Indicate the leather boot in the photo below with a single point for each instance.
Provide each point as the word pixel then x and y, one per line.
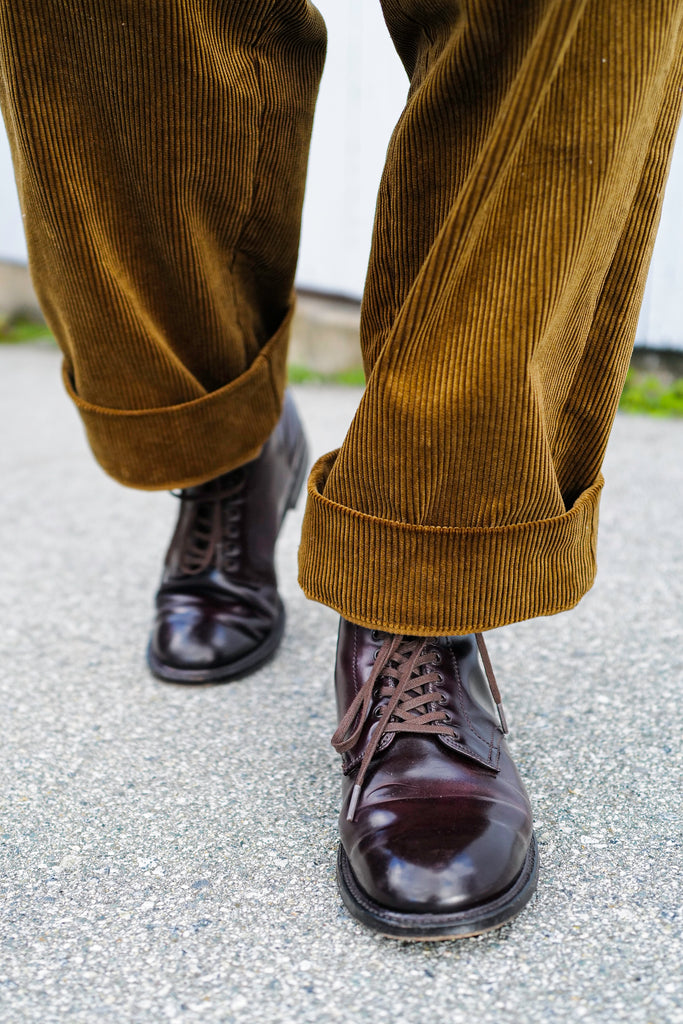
pixel 219 614
pixel 436 828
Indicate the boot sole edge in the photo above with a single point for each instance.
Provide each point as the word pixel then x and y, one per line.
pixel 462 924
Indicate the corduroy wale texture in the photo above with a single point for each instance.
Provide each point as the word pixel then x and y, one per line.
pixel 160 151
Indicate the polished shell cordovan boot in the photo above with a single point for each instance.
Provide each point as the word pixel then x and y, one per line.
pixel 436 827
pixel 219 614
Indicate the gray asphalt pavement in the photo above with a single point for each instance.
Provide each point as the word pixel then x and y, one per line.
pixel 168 854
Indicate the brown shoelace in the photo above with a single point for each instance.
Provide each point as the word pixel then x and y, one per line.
pixel 406 669
pixel 215 531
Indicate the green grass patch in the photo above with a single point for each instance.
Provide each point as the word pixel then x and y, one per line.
pixel 302 375
pixel 649 394
pixel 14 332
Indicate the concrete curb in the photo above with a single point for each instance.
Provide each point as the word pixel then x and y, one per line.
pixel 326 334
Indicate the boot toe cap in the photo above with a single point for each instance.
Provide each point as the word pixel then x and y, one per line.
pixel 450 863
pixel 204 635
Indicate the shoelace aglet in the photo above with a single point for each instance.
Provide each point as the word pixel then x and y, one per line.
pixel 353 803
pixel 493 685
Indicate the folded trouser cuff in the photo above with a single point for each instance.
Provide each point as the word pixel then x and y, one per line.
pixel 443 581
pixel 182 445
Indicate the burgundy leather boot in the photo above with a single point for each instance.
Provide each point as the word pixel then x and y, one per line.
pixel 219 614
pixel 436 828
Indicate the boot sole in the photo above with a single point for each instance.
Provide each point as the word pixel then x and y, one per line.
pixel 265 651
pixel 460 924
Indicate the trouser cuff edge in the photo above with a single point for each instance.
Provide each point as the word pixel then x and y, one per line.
pixel 183 445
pixel 441 581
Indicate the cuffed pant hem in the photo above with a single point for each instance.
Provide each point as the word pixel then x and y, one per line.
pixel 183 445
pixel 442 581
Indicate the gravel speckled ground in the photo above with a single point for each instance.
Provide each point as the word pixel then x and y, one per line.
pixel 168 854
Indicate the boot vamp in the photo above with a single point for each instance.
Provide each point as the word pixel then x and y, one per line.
pixel 434 833
pixel 205 628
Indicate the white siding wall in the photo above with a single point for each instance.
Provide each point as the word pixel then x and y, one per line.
pixel 12 245
pixel 361 96
pixel 362 93
pixel 661 317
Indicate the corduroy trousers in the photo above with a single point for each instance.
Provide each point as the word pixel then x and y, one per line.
pixel 160 149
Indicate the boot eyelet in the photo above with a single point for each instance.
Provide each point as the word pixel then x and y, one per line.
pixel 375 654
pixel 443 699
pixel 379 711
pixel 374 633
pixel 437 659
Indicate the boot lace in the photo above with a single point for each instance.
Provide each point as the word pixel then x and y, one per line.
pixel 214 537
pixel 405 675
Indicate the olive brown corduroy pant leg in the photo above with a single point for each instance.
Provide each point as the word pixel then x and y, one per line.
pixel 514 227
pixel 160 151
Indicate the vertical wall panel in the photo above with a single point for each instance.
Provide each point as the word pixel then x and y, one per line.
pixel 12 244
pixel 661 317
pixel 362 93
